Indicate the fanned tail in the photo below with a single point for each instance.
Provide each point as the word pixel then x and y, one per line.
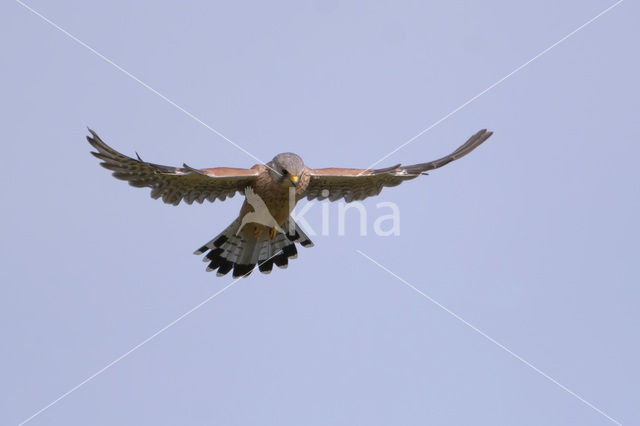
pixel 240 254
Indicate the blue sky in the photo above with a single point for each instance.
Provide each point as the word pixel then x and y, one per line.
pixel 532 239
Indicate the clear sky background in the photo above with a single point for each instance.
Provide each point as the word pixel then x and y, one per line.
pixel 533 238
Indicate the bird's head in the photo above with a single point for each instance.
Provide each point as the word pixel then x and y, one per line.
pixel 286 168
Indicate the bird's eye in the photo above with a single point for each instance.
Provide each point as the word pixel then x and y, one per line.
pixel 285 172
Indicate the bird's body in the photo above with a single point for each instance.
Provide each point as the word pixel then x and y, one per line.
pixel 256 212
pixel 279 195
pixel 264 233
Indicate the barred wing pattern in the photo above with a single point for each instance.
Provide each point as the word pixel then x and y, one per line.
pixel 358 184
pixel 174 184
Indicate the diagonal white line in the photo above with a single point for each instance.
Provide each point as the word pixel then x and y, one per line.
pixel 491 339
pixel 139 345
pixel 496 83
pixel 128 74
pixel 129 352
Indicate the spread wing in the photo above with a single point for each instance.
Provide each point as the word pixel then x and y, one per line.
pixel 358 184
pixel 174 184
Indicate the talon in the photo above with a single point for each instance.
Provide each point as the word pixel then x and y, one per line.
pixel 272 233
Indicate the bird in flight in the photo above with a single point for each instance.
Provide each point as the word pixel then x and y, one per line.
pixel 256 237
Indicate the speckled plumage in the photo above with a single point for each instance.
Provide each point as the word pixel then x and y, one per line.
pixel 279 184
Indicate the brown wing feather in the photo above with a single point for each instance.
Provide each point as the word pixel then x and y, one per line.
pixel 358 184
pixel 174 184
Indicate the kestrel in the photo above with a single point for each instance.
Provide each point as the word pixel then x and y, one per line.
pixel 256 237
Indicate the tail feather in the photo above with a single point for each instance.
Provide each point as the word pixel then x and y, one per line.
pixel 230 251
pixel 297 235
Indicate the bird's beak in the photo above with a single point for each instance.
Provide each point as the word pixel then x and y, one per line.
pixel 295 179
